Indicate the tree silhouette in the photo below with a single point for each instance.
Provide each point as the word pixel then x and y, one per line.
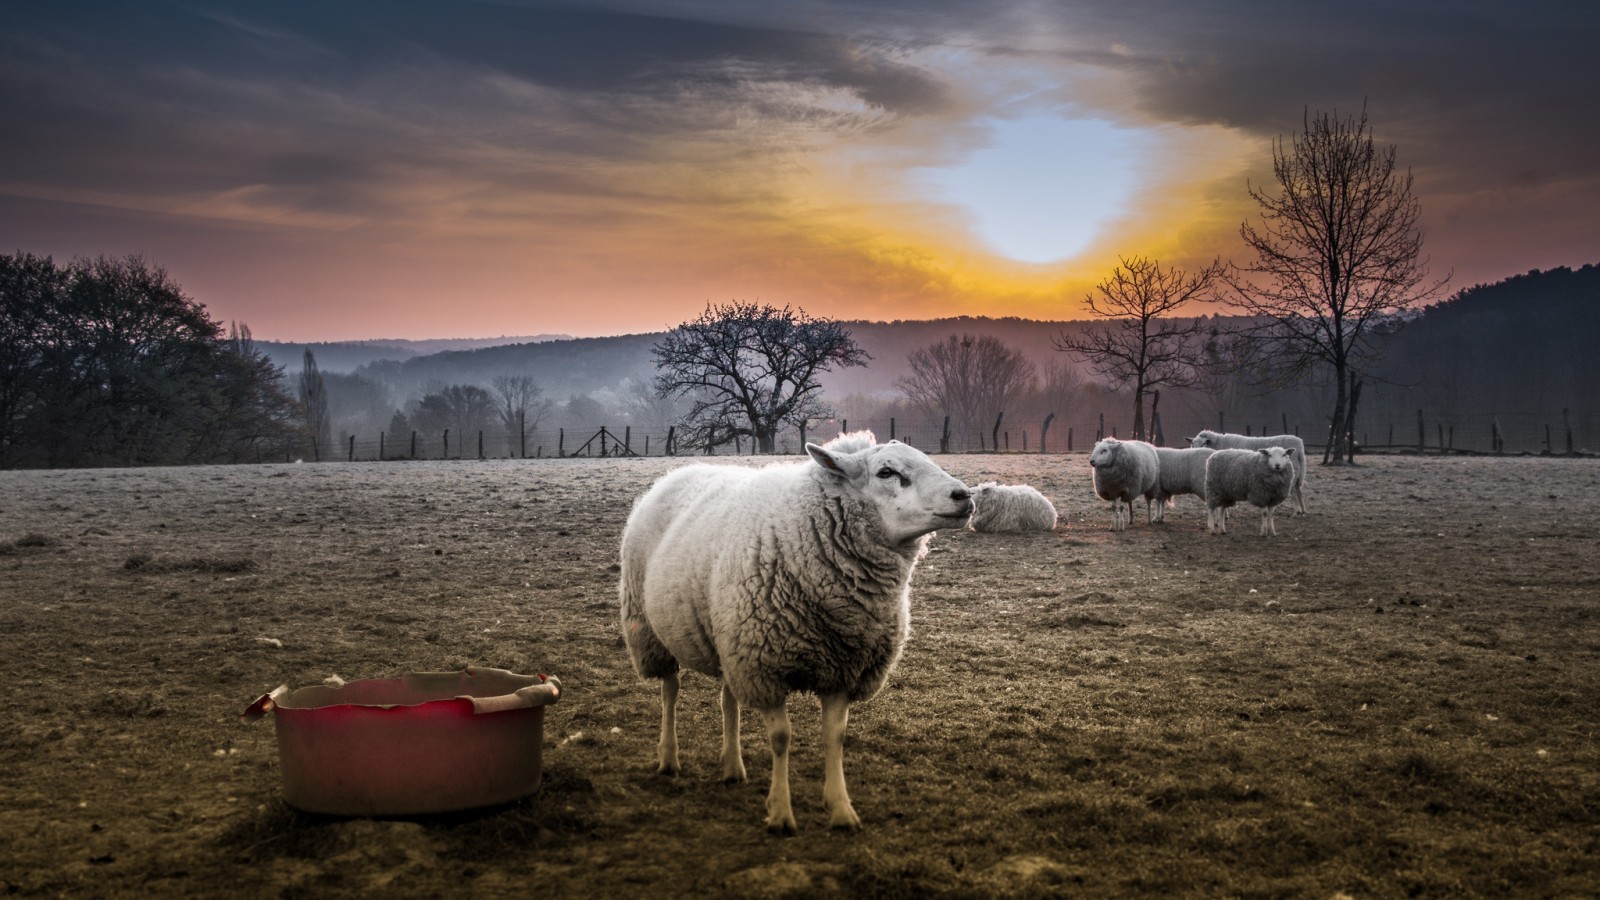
pixel 1338 254
pixel 1138 344
pixel 107 362
pixel 748 369
pixel 314 400
pixel 970 379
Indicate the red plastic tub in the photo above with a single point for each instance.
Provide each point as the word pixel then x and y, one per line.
pixel 427 742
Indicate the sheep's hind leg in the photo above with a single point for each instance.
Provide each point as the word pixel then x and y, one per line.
pixel 835 716
pixel 780 814
pixel 732 752
pixel 667 749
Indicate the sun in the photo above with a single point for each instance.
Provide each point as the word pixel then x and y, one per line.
pixel 1044 187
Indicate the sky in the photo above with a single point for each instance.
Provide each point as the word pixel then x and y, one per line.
pixel 358 169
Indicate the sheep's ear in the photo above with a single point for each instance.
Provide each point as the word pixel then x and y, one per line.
pixel 837 464
pixel 1264 453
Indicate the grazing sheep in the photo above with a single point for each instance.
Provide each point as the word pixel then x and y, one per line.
pixel 1183 471
pixel 1011 507
pixel 1261 477
pixel 1217 441
pixel 1124 470
pixel 792 577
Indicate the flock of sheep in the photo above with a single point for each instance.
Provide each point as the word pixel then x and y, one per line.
pixel 795 577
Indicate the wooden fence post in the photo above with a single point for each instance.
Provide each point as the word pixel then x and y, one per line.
pixel 561 442
pixel 944 438
pixel 446 444
pixel 522 431
pixel 380 446
pixel 1566 422
pixel 672 431
pixel 1496 442
pixel 1044 431
pixel 996 433
pixel 1441 436
pixel 1222 422
pixel 413 445
pixel 627 440
pixel 891 428
pixel 352 456
pixel 1285 423
pixel 1069 438
pixel 1101 434
pixel 1422 433
pixel 480 443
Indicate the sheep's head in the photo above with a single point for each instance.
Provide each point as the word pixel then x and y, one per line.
pixel 1204 439
pixel 912 495
pixel 1278 459
pixel 1104 453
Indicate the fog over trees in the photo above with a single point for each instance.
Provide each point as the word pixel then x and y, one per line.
pixel 176 387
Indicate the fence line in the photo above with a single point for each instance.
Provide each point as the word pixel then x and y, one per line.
pixel 1557 433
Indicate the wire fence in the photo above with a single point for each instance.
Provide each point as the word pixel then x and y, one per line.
pixel 1553 433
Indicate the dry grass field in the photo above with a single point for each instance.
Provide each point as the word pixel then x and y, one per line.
pixel 1397 696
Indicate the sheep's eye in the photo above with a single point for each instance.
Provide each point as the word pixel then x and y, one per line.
pixel 887 472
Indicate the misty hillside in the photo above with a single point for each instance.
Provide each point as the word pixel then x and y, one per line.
pixel 347 356
pixel 1515 352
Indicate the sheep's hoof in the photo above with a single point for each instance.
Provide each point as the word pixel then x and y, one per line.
pixel 670 771
pixel 845 820
pixel 782 826
pixel 735 776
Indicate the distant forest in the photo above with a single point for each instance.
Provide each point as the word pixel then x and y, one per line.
pixel 1513 358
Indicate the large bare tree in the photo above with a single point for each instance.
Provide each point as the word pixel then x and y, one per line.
pixel 747 369
pixel 970 379
pixel 1139 343
pixel 1338 255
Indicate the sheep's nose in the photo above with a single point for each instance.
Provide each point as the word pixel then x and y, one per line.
pixel 960 495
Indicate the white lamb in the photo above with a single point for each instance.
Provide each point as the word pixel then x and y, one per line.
pixel 1124 470
pixel 1261 478
pixel 792 577
pixel 1217 441
pixel 1011 507
pixel 1183 471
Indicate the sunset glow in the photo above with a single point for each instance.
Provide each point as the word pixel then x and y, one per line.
pixel 353 170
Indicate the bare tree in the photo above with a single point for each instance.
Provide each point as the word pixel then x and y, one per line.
pixel 1138 344
pixel 463 409
pixel 519 403
pixel 748 369
pixel 1338 256
pixel 314 397
pixel 970 379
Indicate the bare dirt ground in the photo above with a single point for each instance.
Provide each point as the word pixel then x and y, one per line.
pixel 1398 695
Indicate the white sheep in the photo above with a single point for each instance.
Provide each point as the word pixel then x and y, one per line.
pixel 791 577
pixel 1261 478
pixel 1219 441
pixel 1011 507
pixel 1182 471
pixel 1124 470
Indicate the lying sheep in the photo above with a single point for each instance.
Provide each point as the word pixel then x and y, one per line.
pixel 1261 478
pixel 1217 441
pixel 1183 471
pixel 1011 507
pixel 1124 470
pixel 792 577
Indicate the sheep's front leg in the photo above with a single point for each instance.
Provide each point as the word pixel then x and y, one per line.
pixel 835 716
pixel 1269 526
pixel 732 752
pixel 780 814
pixel 667 749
